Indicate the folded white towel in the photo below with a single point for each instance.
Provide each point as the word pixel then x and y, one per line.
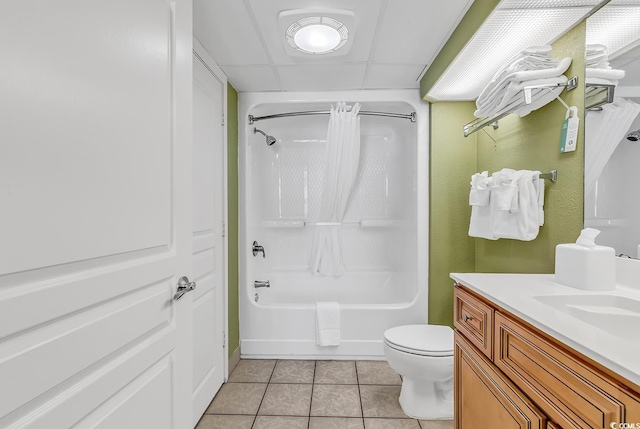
pixel 521 76
pixel 513 96
pixel 327 324
pixel 600 81
pixel 545 96
pixel 604 73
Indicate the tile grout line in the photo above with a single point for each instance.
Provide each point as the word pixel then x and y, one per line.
pixel 359 392
pixel 264 394
pixel 313 383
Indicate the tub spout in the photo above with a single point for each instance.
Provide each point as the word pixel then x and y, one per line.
pixel 257 249
pixel 261 283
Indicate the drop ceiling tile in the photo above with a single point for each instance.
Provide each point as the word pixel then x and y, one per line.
pixel 393 76
pixel 322 77
pixel 413 31
pixel 226 31
pixel 366 17
pixel 252 78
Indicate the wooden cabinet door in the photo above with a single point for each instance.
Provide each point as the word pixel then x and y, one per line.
pixel 571 392
pixel 484 399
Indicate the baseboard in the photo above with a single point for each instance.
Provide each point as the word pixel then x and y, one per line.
pixel 233 360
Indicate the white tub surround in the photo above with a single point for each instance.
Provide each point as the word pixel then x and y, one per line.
pixel 601 325
pixel 383 228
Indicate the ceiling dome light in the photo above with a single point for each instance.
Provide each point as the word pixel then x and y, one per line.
pixel 317 35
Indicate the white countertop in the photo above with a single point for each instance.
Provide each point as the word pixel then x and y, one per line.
pixel 516 293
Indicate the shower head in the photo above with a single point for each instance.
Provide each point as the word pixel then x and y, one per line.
pixel 634 136
pixel 270 139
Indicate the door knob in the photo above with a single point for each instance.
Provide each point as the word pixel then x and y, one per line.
pixel 184 286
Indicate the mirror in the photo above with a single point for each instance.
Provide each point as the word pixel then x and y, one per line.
pixel 612 188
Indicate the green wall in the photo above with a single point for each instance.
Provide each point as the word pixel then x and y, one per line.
pixel 453 161
pixel 232 228
pixel 530 143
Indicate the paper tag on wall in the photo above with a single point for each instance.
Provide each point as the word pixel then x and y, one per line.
pixel 569 134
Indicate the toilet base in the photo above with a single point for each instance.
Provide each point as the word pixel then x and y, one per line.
pixel 425 400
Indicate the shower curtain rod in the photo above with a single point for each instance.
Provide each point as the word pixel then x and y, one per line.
pixel 411 116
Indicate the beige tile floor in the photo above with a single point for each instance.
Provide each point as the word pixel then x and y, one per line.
pixel 292 394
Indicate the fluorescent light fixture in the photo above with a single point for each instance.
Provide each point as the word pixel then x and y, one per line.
pixel 512 27
pixel 316 32
pixel 616 25
pixel 317 35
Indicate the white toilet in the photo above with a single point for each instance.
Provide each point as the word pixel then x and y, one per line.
pixel 423 356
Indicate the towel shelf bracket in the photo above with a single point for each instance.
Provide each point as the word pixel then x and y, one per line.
pixel 479 123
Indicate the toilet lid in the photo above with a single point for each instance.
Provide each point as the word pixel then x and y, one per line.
pixel 425 340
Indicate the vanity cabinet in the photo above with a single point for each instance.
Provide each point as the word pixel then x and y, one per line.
pixel 508 374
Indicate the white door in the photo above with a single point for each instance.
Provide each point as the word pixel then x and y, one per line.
pixel 95 213
pixel 208 245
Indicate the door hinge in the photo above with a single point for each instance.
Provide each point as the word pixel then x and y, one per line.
pixel 224 229
pixel 224 339
pixel 222 115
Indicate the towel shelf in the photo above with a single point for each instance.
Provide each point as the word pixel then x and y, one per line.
pixel 480 123
pixel 597 95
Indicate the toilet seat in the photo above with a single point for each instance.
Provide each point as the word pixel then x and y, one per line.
pixel 423 340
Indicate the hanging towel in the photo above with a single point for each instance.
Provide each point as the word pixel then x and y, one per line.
pixel 540 184
pixel 481 208
pixel 327 324
pixel 481 224
pixel 342 158
pixel 524 223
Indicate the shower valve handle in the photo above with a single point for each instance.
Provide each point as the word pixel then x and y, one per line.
pixel 256 248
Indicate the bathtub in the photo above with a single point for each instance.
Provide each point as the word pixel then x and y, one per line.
pixel 384 233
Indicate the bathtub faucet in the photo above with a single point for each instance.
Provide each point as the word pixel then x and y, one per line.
pixel 257 249
pixel 261 283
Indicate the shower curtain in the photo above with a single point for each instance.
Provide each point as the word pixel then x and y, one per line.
pixel 342 158
pixel 603 132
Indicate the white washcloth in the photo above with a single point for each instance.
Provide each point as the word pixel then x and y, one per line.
pixel 504 190
pixel 327 324
pixel 524 224
pixel 480 189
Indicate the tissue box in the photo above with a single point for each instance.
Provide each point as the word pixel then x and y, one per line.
pixel 587 268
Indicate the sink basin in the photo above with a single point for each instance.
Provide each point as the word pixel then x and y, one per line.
pixel 618 316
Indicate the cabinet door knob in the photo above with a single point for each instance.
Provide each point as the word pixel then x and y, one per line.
pixel 466 317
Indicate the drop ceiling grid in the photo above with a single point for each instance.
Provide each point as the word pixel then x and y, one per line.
pixel 408 21
pixel 219 20
pixel 243 38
